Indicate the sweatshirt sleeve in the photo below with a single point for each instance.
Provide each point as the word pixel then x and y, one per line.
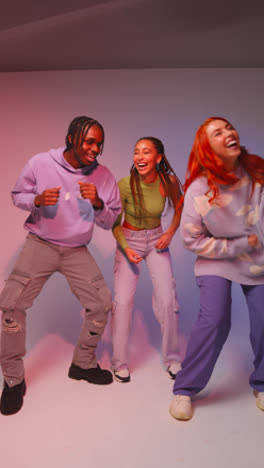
pixel 119 234
pixel 117 228
pixel 200 241
pixel 106 217
pixel 260 224
pixel 24 191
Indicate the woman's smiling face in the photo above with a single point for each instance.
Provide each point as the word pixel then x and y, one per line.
pixel 224 141
pixel 146 158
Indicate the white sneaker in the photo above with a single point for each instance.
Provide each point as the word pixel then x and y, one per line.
pixel 122 375
pixel 173 369
pixel 181 407
pixel 259 399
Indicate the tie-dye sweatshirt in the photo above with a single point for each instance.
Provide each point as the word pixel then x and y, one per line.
pixel 218 232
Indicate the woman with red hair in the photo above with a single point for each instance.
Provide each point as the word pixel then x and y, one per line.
pixel 221 223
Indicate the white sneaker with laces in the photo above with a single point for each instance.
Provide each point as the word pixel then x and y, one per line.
pixel 181 407
pixel 173 369
pixel 259 399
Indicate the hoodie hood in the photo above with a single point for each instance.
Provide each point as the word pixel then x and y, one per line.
pixel 58 156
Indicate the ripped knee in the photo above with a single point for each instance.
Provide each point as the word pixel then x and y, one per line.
pixel 12 323
pixel 95 326
pixel 11 326
pixel 94 332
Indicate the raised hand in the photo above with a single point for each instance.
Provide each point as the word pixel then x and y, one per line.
pixel 48 197
pixel 89 191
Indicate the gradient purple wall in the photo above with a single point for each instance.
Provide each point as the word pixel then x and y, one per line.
pixel 36 109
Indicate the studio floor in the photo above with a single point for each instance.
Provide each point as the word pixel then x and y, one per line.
pixel 70 424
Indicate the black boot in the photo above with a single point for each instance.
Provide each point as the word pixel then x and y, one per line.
pixel 96 375
pixel 12 398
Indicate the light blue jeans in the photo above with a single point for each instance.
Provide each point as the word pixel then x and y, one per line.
pixel 164 299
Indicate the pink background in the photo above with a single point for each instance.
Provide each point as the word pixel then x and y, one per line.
pixel 72 424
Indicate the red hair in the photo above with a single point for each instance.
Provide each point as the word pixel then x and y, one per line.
pixel 204 162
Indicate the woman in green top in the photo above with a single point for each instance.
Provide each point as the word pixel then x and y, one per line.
pixel 143 196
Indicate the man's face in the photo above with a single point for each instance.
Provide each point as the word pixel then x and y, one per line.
pixel 87 152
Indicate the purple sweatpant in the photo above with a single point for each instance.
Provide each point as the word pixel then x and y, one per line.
pixel 210 332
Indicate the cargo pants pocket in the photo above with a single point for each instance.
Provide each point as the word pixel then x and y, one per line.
pixel 13 290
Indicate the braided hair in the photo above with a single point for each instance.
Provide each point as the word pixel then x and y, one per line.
pixel 78 130
pixel 164 170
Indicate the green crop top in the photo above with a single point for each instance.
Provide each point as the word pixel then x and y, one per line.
pixel 154 205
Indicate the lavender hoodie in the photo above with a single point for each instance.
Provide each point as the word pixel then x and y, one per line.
pixel 71 221
pixel 218 233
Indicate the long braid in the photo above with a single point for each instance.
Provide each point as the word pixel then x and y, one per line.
pixel 165 170
pixel 136 190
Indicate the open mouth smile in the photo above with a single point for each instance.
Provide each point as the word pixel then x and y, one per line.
pixel 232 143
